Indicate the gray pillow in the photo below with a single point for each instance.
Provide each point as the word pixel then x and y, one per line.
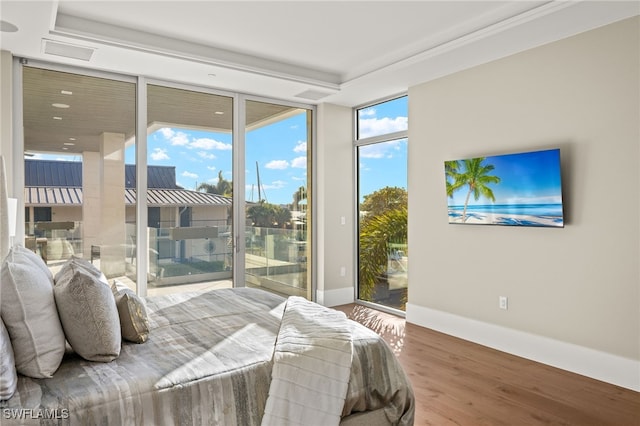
pixel 79 262
pixel 8 375
pixel 29 312
pixel 87 311
pixel 134 322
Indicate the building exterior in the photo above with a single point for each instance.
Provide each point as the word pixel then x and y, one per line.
pixel 55 223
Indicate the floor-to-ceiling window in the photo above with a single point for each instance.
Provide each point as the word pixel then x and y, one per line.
pixel 77 128
pixel 381 150
pixel 190 189
pixel 278 221
pixel 176 227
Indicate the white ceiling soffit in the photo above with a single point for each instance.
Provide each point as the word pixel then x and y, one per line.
pixel 344 52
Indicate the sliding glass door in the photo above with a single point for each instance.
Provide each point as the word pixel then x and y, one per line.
pixel 222 197
pixel 190 191
pixel 77 129
pixel 278 223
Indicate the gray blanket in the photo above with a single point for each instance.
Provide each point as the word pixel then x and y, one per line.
pixel 207 362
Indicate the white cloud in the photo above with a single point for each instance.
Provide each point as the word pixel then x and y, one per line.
pixel 276 184
pixel 159 154
pixel 277 164
pixel 381 126
pixel 189 175
pixel 208 144
pixel 380 150
pixel 166 132
pixel 206 155
pixel 300 147
pixel 212 168
pixel 368 112
pixel 177 138
pixel 299 162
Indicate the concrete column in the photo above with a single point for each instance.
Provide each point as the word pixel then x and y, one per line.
pixel 113 235
pixel 91 201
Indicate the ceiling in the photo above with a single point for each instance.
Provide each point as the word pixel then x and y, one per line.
pixel 343 52
pixel 69 113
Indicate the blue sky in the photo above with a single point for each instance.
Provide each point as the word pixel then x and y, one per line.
pixel 525 178
pixel 383 164
pixel 280 150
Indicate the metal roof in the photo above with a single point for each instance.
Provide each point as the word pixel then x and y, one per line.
pixel 163 177
pixel 52 196
pixel 54 173
pixel 178 197
pixel 59 183
pixel 40 196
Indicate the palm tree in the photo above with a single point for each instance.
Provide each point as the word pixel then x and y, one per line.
pixel 282 216
pixel 451 170
pixel 376 235
pixel 476 177
pixel 262 214
pixel 223 187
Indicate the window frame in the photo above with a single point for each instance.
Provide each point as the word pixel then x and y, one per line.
pixel 16 153
pixel 357 143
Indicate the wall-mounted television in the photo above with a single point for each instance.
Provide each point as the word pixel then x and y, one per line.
pixel 523 189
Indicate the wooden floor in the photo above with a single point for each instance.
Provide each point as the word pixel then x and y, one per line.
pixel 457 382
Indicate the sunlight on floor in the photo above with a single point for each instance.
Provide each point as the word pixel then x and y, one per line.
pixel 390 327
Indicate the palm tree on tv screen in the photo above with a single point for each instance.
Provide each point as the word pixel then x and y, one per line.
pixel 475 176
pixel 451 170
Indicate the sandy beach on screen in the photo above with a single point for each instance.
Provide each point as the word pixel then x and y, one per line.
pixel 504 219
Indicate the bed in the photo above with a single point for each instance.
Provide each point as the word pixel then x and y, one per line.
pixel 208 361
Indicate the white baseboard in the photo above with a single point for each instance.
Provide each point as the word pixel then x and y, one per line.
pixel 617 370
pixel 337 297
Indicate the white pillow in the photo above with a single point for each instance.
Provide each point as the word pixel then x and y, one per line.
pixel 88 311
pixel 8 375
pixel 29 312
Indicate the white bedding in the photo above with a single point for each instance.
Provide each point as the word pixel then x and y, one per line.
pixel 311 366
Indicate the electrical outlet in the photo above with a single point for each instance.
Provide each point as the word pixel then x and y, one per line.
pixel 343 271
pixel 503 302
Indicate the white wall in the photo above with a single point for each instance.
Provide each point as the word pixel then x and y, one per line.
pixel 335 199
pixel 574 293
pixel 66 214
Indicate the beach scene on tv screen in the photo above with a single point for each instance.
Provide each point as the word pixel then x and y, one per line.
pixel 521 189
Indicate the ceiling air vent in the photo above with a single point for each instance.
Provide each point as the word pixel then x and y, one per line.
pixel 67 50
pixel 313 95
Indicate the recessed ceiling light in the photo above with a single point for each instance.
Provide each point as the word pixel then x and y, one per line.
pixel 219 113
pixel 60 105
pixel 57 118
pixel 65 148
pixel 69 143
pixel 66 92
pixel 72 139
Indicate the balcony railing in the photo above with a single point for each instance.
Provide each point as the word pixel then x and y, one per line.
pixel 276 259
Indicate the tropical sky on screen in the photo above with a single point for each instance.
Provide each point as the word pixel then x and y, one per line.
pixel 280 150
pixel 525 178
